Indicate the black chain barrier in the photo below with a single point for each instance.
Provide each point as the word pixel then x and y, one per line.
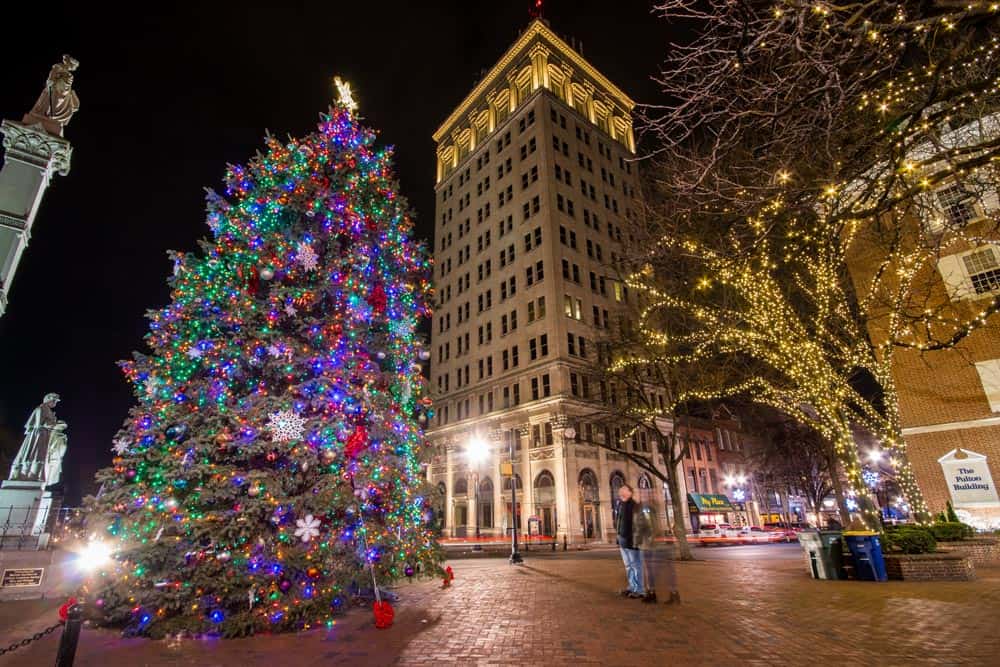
pixel 33 638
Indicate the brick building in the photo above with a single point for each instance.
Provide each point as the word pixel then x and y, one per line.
pixel 949 399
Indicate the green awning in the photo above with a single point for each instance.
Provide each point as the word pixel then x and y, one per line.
pixel 709 502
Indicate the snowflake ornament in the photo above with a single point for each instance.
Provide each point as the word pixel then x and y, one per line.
pixel 195 353
pixel 150 386
pixel 290 310
pixel 274 350
pixel 286 425
pixel 308 528
pixel 306 256
pixel 121 446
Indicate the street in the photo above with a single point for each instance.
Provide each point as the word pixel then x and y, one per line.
pixel 752 605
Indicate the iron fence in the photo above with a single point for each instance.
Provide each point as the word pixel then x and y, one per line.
pixel 32 528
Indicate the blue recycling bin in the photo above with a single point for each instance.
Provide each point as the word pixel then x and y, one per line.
pixel 866 548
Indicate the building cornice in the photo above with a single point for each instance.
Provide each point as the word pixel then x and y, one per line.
pixel 537 29
pixel 952 426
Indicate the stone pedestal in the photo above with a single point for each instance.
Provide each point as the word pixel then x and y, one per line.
pixel 27 514
pixel 31 157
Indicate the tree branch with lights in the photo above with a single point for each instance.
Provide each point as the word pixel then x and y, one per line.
pixel 797 171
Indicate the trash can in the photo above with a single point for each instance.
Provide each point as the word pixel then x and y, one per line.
pixel 866 547
pixel 824 553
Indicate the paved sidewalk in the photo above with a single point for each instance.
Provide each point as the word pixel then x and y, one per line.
pixel 564 610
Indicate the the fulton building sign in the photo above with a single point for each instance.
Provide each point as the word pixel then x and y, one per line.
pixel 969 480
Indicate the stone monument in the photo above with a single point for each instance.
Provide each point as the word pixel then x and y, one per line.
pixel 31 496
pixel 34 151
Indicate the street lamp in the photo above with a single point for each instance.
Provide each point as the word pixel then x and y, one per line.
pixel 515 555
pixel 476 451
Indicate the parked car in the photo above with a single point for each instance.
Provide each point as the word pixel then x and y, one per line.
pixel 790 531
pixel 759 535
pixel 710 532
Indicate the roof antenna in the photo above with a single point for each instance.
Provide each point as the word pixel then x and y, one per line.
pixel 536 10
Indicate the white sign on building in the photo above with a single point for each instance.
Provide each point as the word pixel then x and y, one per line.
pixel 969 480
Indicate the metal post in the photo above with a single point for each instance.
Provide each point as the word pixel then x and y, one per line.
pixel 70 636
pixel 515 555
pixel 475 479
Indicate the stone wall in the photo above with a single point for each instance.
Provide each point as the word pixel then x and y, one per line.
pixel 982 551
pixel 940 566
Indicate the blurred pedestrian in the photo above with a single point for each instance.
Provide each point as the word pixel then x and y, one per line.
pixel 626 524
pixel 657 558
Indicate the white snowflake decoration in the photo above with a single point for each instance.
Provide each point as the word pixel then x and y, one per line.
pixel 306 256
pixel 290 310
pixel 308 528
pixel 195 352
pixel 121 446
pixel 151 386
pixel 286 425
pixel 274 350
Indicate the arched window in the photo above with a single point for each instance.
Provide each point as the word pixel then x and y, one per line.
pixel 617 481
pixel 486 503
pixel 645 489
pixel 545 488
pixel 461 487
pixel 589 491
pixel 506 483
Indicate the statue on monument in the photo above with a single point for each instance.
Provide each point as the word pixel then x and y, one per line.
pixel 58 102
pixel 41 453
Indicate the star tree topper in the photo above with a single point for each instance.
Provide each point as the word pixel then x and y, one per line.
pixel 344 94
pixel 286 425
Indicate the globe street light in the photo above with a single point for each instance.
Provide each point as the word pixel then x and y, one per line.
pixel 476 452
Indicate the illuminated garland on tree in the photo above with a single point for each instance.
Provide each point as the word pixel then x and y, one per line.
pixel 271 469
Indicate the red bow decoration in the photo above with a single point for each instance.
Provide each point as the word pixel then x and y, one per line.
pixel 356 442
pixel 251 282
pixel 449 575
pixel 383 614
pixel 377 299
pixel 64 609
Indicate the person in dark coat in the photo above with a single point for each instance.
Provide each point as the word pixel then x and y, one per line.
pixel 628 524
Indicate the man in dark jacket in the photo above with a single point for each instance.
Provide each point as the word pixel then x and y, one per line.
pixel 629 524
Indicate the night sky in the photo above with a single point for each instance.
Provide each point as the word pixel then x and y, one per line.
pixel 168 96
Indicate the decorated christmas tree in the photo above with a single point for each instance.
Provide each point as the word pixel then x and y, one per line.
pixel 270 472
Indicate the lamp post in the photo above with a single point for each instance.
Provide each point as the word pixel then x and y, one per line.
pixel 476 451
pixel 515 555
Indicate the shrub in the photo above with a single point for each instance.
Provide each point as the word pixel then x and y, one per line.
pixel 950 513
pixel 910 540
pixel 951 531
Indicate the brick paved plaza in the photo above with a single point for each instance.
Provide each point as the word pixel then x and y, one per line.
pixel 563 609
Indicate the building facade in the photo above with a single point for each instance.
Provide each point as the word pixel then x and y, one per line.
pixel 949 399
pixel 534 188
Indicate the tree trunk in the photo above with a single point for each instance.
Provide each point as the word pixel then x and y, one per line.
pixel 671 459
pixel 838 492
pixel 907 483
pixel 680 527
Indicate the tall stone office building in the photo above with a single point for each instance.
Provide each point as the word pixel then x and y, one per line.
pixel 534 188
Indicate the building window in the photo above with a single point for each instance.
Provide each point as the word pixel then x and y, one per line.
pixel 957 205
pixel 983 269
pixel 989 375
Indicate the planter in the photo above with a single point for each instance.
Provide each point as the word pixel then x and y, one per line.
pixel 939 566
pixel 982 551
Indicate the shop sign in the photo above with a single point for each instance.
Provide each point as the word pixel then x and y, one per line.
pixel 969 480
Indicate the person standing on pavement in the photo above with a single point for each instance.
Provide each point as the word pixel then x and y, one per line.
pixel 657 562
pixel 627 522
